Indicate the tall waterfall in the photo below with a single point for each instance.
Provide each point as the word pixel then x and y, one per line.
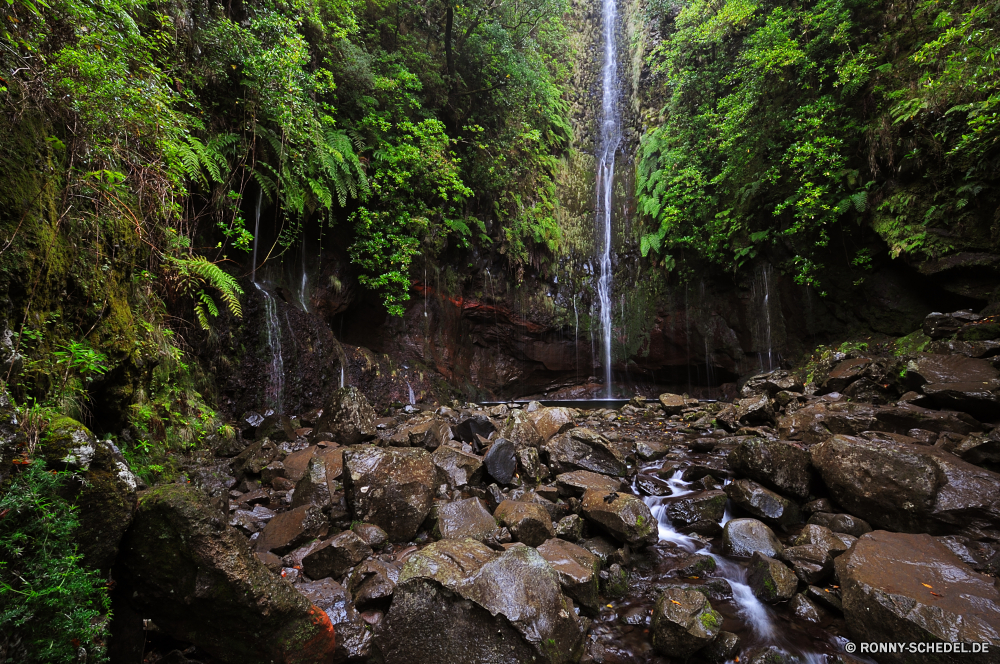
pixel 276 371
pixel 609 140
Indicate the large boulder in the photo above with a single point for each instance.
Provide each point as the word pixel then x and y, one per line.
pixel 551 421
pixel 390 487
pixel 957 382
pixel 623 515
pixel 501 460
pixel 460 468
pixel 354 638
pixel 683 622
pixel 910 488
pixel 460 602
pixel 335 556
pixel 771 383
pixel 520 430
pixel 770 580
pixel 198 580
pixel 777 464
pixel 578 482
pixel 528 522
pixel 103 489
pixel 700 511
pixel 898 587
pixel 318 484
pixel 744 537
pixel 347 418
pixel 288 530
pixel 464 519
pixel 763 503
pixel 583 449
pixel 577 568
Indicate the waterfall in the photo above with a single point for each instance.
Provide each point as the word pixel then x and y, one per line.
pixel 276 380
pixel 610 138
pixel 304 281
pixel 760 295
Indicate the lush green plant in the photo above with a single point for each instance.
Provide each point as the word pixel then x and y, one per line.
pixel 51 607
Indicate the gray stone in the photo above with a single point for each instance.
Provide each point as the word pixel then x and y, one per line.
pixel 770 580
pixel 744 537
pixel 464 518
pixel 763 503
pixel 500 461
pixel 683 622
pixel 623 515
pixel 392 488
pixel 777 464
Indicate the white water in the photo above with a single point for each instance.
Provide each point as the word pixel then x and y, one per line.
pixel 276 380
pixel 610 138
pixel 760 294
pixel 413 397
pixel 304 281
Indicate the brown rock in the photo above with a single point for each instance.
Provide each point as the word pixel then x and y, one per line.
pixel 335 556
pixel 577 569
pixel 623 515
pixel 551 421
pixel 528 522
pixel 390 487
pixel 578 482
pixel 460 468
pixel 291 529
pixel 770 580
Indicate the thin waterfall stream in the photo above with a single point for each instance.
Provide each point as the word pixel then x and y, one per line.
pixel 609 140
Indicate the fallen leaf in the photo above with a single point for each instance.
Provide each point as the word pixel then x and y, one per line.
pixel 935 594
pixel 675 602
pixel 926 585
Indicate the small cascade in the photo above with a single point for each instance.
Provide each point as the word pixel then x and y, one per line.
pixel 761 304
pixel 303 290
pixel 342 375
pixel 276 382
pixel 413 397
pixel 610 138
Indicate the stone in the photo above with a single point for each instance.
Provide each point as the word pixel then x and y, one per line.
pixel 823 537
pixel 755 410
pixel 744 537
pixel 372 583
pixel 652 485
pixel 297 463
pixel 910 488
pixel 903 418
pixel 979 449
pixel 778 465
pixel 198 580
pixel 938 325
pixel 770 580
pixel 459 601
pixel 844 373
pixel 460 468
pixel 724 648
pixel 520 430
pixel 578 482
pixel 277 428
pixel 291 529
pixel 696 564
pixel 551 421
pixel 623 515
pixel 501 461
pixel 673 404
pixel 271 471
pixel 763 503
pixel 464 518
pixel 614 581
pixel 771 383
pixel 528 522
pixel 824 598
pixel 437 433
pixel 532 468
pixel 390 487
pixel 607 552
pixel 570 528
pixel 804 609
pixel 583 449
pixel 683 622
pixel 348 418
pixel 354 640
pixel 811 562
pixel 577 569
pixel 477 425
pixel 701 510
pixel 373 536
pixel 314 488
pixel 253 459
pixel 336 556
pixel 851 525
pixel 910 587
pixel 102 487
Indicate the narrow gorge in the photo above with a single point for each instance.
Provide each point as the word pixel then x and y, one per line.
pixel 562 331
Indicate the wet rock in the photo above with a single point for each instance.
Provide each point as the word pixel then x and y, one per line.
pixel 198 580
pixel 699 511
pixel 755 410
pixel 291 529
pixel 277 428
pixel 607 552
pixel 904 587
pixel 623 515
pixel 577 569
pixel 822 537
pixel 458 601
pixel 373 536
pixel 724 648
pixel 850 525
pixel 103 488
pixel 614 581
pixel 811 562
pixel 803 609
pixel 683 622
pixel 909 488
pixel 816 422
pixel 372 583
pixel 316 486
pixel 354 639
pixel 520 430
pixel 744 537
pixel 533 469
pixel 501 461
pixel 551 421
pixel 978 449
pixel 825 598
pixel 570 528
pixel 528 522
pixel 819 505
pixel 651 450
pixel 770 580
pixel 578 482
pixel 583 449
pixel 460 468
pixel 464 518
pixel 392 488
pixel 903 418
pixel 336 556
pixel 770 655
pixel 477 425
pixel 251 521
pixel 776 464
pixel 347 418
pixel 771 383
pixel 763 503
pixel 697 564
pixel 253 459
pixel 938 325
pixel 673 404
pixel 436 434
pixel 297 463
pixel 652 485
pixel 845 373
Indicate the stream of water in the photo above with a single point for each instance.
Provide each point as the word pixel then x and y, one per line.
pixel 610 138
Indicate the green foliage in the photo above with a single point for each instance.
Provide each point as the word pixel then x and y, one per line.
pixel 785 123
pixel 48 600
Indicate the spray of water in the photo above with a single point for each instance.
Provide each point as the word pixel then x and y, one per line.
pixel 610 138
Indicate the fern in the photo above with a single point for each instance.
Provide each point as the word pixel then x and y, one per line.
pixel 195 272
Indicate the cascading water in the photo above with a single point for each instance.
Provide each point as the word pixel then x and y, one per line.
pixel 610 138
pixel 760 295
pixel 276 380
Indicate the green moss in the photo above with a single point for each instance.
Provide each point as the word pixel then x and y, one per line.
pixel 915 342
pixel 711 620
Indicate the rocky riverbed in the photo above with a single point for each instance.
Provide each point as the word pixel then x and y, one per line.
pixel 854 501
